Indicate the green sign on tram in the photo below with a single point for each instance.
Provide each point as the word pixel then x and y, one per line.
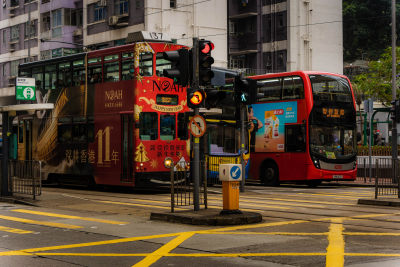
pixel 25 89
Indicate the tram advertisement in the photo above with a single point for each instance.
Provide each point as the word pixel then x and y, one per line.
pixel 271 136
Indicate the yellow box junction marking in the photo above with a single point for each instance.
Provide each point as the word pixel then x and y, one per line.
pixel 335 251
pixel 68 216
pixel 51 224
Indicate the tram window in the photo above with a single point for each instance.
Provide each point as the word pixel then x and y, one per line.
pixel 90 132
pixel 167 127
pixel 146 64
pixel 111 71
pixel 78 74
pixel 295 138
pixel 50 76
pixel 79 133
pixel 37 73
pixel 64 74
pixel 127 69
pixel 183 126
pixel 25 73
pixel 161 65
pixel 95 74
pixel 148 126
pixel 293 88
pixel 21 132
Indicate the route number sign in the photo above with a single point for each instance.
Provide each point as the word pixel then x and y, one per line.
pixel 25 89
pixel 197 126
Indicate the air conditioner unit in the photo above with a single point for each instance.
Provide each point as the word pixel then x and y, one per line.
pixel 113 20
pixel 78 32
pixel 102 3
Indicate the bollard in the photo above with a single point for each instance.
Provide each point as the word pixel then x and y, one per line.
pixel 230 175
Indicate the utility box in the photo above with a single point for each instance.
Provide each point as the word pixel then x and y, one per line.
pixel 230 175
pixel 230 172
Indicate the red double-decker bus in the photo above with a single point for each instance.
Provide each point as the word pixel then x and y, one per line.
pixel 116 119
pixel 303 128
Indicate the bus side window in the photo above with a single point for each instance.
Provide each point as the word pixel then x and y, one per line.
pixel 148 126
pixel 272 89
pixel 128 67
pixel 146 64
pixel 293 88
pixel 295 138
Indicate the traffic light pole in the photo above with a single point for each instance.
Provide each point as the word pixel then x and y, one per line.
pixel 394 65
pixel 196 144
pixel 242 145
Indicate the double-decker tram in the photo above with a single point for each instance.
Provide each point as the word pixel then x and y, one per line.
pixel 116 119
pixel 306 128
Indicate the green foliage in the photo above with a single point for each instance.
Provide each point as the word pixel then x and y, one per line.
pixel 377 82
pixel 367 28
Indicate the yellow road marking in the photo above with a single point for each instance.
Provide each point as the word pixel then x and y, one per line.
pixel 328 195
pixel 14 230
pixel 68 216
pixel 260 233
pixel 372 234
pixel 301 200
pixel 310 195
pixel 372 254
pixel 51 224
pixel 164 250
pixel 335 249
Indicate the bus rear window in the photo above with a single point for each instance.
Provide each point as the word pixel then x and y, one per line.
pixel 148 126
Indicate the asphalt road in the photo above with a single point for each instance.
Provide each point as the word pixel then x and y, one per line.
pixel 301 226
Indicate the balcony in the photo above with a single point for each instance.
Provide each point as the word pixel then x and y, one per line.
pixel 243 43
pixel 238 11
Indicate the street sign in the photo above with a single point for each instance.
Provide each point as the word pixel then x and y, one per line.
pixel 25 89
pixel 197 126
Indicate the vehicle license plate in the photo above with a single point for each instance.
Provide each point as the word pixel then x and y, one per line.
pixel 337 176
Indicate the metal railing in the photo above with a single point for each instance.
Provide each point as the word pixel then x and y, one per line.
pixel 182 186
pixel 386 171
pixel 25 177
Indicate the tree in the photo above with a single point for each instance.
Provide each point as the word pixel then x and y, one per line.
pixel 376 83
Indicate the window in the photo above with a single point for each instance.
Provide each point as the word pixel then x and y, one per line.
pixel 271 89
pixel 46 25
pixel 161 64
pixel 14 33
pixel 95 71
pixel 37 73
pixel 146 64
pixel 14 68
pixel 172 3
pixel 64 74
pixel 148 126
pixel 183 119
pixel 30 29
pixel 56 23
pixel 293 88
pixel 295 138
pixel 111 68
pixel 50 77
pixel 45 1
pixel 78 73
pixel 99 13
pixel 4 37
pixel 128 68
pixel 121 7
pixel 14 3
pixel 167 127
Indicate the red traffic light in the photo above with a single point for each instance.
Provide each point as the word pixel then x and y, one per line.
pixel 207 47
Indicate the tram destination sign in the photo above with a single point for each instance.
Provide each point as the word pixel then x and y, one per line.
pixel 25 89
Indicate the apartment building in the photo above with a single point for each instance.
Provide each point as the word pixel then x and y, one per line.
pixel 285 35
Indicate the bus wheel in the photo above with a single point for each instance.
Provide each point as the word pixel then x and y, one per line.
pixel 314 183
pixel 270 174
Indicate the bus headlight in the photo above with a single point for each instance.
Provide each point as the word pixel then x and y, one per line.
pixel 168 163
pixel 316 163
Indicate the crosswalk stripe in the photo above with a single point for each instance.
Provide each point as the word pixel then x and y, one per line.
pixel 68 216
pixel 51 224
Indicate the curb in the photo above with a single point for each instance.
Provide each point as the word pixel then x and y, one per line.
pixel 377 202
pixel 208 218
pixel 17 201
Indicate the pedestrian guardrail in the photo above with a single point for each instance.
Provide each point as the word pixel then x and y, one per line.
pixel 182 185
pixel 386 172
pixel 25 177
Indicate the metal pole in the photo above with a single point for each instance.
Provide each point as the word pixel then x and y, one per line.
pixel 369 145
pixel 29 32
pixel 394 124
pixel 242 146
pixel 4 175
pixel 196 143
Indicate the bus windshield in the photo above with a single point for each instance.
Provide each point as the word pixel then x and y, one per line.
pixel 330 88
pixel 332 142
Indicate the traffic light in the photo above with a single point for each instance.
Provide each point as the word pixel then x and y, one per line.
pixel 245 91
pixel 205 61
pixel 195 98
pixel 181 69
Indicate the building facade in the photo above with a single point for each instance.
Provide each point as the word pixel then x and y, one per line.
pixel 43 29
pixel 285 35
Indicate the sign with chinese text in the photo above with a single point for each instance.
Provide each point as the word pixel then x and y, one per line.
pixel 25 89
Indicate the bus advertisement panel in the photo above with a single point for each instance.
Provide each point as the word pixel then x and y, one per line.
pixel 271 137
